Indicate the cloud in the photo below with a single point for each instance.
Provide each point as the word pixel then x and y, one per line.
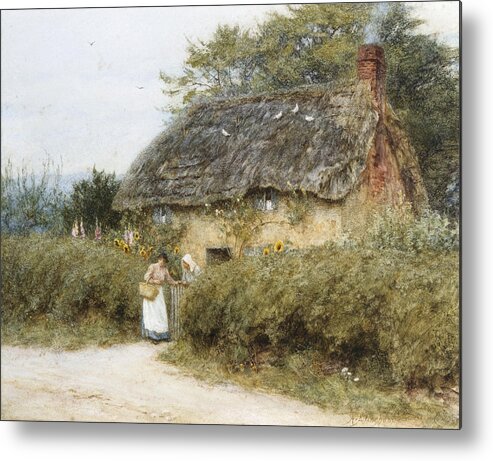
pixel 440 18
pixel 78 101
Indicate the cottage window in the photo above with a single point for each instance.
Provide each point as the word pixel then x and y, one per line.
pixel 266 200
pixel 163 215
pixel 217 255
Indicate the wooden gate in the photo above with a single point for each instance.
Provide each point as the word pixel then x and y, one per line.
pixel 176 293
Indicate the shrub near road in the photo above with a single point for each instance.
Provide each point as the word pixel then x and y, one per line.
pixel 69 292
pixel 385 312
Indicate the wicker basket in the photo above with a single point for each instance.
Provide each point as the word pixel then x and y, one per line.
pixel 148 291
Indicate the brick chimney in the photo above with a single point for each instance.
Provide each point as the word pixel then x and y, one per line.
pixel 371 66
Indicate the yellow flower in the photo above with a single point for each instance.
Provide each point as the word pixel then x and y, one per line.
pixel 176 250
pixel 126 248
pixel 136 235
pixel 142 252
pixel 116 242
pixel 266 251
pixel 279 246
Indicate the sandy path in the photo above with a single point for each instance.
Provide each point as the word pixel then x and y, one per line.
pixel 127 383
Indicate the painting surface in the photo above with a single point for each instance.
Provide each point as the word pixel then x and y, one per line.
pixel 232 214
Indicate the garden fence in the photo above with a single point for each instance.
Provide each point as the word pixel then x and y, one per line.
pixel 176 293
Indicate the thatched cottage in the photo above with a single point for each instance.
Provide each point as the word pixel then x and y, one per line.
pixel 341 143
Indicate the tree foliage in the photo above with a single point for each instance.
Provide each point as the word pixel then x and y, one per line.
pixel 311 44
pixel 423 88
pixel 31 203
pixel 92 198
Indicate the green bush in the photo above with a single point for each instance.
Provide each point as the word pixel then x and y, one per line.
pixel 69 282
pixel 31 203
pixel 400 229
pixel 92 199
pixel 373 309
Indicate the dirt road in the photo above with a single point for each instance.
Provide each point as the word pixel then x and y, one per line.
pixel 127 383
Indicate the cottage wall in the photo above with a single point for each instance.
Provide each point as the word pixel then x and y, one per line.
pixel 324 222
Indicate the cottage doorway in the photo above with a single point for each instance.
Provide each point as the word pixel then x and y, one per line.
pixel 217 255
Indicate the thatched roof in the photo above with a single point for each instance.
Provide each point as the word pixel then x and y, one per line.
pixel 192 162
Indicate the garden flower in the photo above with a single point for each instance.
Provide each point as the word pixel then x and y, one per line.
pixel 279 246
pixel 137 235
pixel 75 231
pixel 126 248
pixel 142 252
pixel 116 242
pixel 176 250
pixel 266 251
pixel 97 231
pixel 82 231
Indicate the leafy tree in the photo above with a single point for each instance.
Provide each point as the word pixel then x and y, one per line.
pixel 423 88
pixel 224 65
pixel 92 198
pixel 31 203
pixel 312 44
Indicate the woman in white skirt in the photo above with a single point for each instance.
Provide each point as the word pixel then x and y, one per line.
pixel 154 316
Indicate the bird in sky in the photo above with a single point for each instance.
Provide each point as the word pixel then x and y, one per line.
pixel 139 87
pixel 225 133
pixel 278 116
pixel 91 43
pixel 296 109
pixel 309 118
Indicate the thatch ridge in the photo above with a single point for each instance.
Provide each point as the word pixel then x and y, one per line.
pixel 192 162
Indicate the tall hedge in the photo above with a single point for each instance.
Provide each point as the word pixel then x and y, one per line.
pixel 67 280
pixel 371 308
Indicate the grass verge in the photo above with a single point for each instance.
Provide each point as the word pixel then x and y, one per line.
pixel 367 400
pixel 62 336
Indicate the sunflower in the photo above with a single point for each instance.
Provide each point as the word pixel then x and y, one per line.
pixel 116 242
pixel 142 252
pixel 279 246
pixel 176 250
pixel 126 248
pixel 266 251
pixel 136 235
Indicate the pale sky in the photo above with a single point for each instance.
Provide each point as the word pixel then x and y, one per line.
pixel 80 102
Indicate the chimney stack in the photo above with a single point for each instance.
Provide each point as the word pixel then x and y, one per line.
pixel 371 66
